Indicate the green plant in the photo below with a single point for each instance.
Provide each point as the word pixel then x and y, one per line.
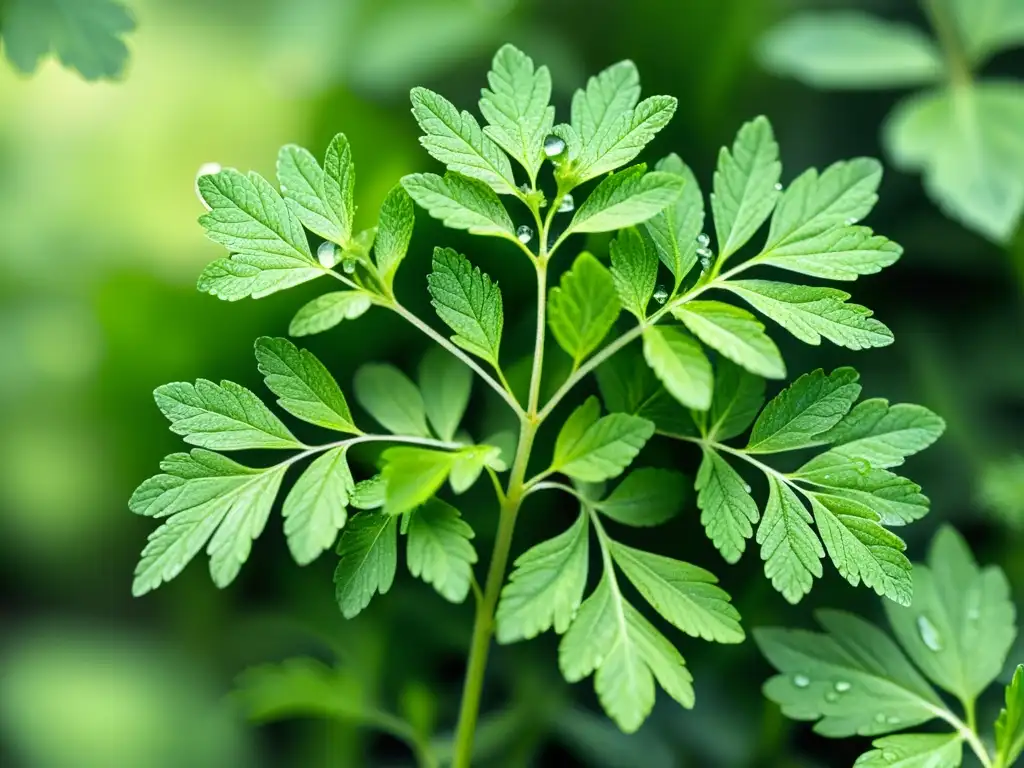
pixel 963 134
pixel 855 681
pixel 654 376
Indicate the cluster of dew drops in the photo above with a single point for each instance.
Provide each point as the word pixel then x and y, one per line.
pixel 554 146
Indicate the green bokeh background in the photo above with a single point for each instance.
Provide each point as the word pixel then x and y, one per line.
pixel 99 251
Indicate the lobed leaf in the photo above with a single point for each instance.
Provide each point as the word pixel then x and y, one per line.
pixel 727 509
pixel 368 555
pixel 316 508
pixel 460 203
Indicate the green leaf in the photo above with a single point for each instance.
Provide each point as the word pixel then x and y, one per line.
pixel 861 549
pixel 205 498
pixel 744 185
pixel 326 311
pixel 245 275
pixel 1001 490
pixel 635 270
pixel 737 399
pixel 87 35
pixel 369 493
pixel 735 333
pixel 546 588
pixel 516 107
pixel 392 399
pixel 368 553
pixel 679 362
pixel 445 384
pixel 790 549
pixel 626 198
pixel 413 475
pixel 593 449
pixel 469 464
pixel 675 230
pixel 1010 725
pixel 884 435
pixel 628 385
pixel 460 202
pixel 808 407
pixel 646 497
pixel 961 625
pixel 896 500
pixel 685 595
pixel 850 49
pixel 456 140
pixel 305 387
pixel 321 198
pixel 914 750
pixel 842 253
pixel 810 312
pixel 854 678
pixel 468 302
pixel 301 687
pixel 727 509
pixel 223 416
pixel 967 144
pixel 582 309
pixel 609 97
pixel 842 195
pixel 316 507
pixel 439 550
pixel 987 26
pixel 394 232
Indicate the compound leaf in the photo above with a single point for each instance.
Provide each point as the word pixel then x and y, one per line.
pixel 460 202
pixel 440 551
pixel 323 199
pixel 680 364
pixel 790 549
pixel 735 333
pixel 727 509
pixel 593 449
pixel 628 197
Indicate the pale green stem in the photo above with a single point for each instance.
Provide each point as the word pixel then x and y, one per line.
pixel 958 66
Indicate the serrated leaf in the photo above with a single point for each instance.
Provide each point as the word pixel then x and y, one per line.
pixel 962 622
pixel 807 408
pixel 301 686
pixel 861 549
pixel 737 399
pixel 468 302
pixel 634 270
pixel 413 475
pixel 321 198
pixel 628 385
pixel 914 750
pixel 1001 490
pixel 686 596
pixel 593 449
pixel 305 388
pixel 842 253
pixel 1010 724
pixel 242 276
pixel 546 588
pixel 896 500
pixel 460 202
pixel 850 49
pixel 394 232
pixel 316 508
pixel 744 185
pixel 368 553
pixel 392 399
pixel 727 509
pixel 646 497
pixel 853 680
pixel 790 549
pixel 884 435
pixel 967 145
pixel 582 309
pixel 810 312
pixel 456 140
pixel 622 139
pixel 205 498
pixel 445 384
pixel 674 230
pixel 470 463
pixel 369 493
pixel 326 311
pixel 735 333
pixel 439 550
pixel 626 198
pixel 223 416
pixel 679 362
pixel 516 107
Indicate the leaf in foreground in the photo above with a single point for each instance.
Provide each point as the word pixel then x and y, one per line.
pixel 368 553
pixel 439 549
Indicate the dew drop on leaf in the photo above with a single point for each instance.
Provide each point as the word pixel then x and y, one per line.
pixel 863 467
pixel 554 146
pixel 892 720
pixel 327 254
pixel 660 294
pixel 929 634
pixel 348 266
pixel 801 681
pixel 832 697
pixel 778 186
pixel 880 718
pixel 567 204
pixel 850 221
pixel 525 234
pixel 703 240
pixel 704 253
pixel 746 487
pixel 842 686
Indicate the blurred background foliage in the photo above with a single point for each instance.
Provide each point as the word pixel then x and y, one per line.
pixel 98 258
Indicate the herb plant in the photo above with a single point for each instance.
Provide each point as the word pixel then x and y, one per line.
pixel 854 680
pixel 672 351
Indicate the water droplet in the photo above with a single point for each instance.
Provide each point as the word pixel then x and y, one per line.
pixel 880 718
pixel 704 253
pixel 828 476
pixel 892 720
pixel 703 240
pixel 889 756
pixel 567 204
pixel 842 686
pixel 746 487
pixel 863 467
pixel 554 146
pixel 929 634
pixel 801 681
pixel 327 254
pixel 973 614
pixel 525 234
pixel 851 220
pixel 348 266
pixel 206 169
pixel 660 294
pixel 524 188
pixel 832 697
pixel 778 186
